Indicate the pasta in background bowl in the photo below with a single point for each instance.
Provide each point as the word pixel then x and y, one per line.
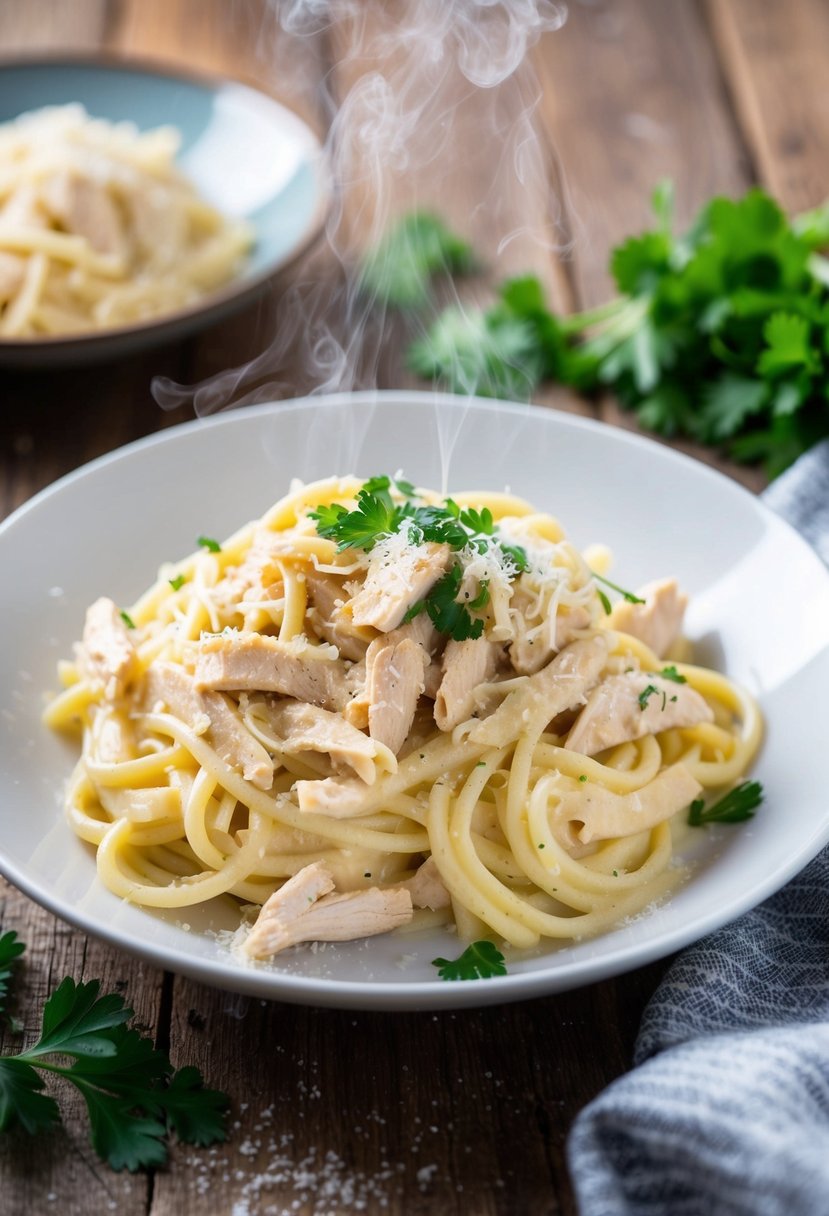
pixel 719 542
pixel 137 205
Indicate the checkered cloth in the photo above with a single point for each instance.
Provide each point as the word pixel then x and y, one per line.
pixel 727 1110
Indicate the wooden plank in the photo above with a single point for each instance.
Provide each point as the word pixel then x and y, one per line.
pixel 774 58
pixel 408 1114
pixel 53 25
pixel 244 41
pixel 61 1168
pixel 632 95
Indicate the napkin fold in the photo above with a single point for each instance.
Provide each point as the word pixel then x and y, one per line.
pixel 727 1110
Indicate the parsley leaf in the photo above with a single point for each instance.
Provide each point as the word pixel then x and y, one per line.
pixel 737 806
pixel 177 583
pixel 671 673
pixel 482 960
pixel 133 1095
pixel 446 614
pixel 207 542
pixel 127 619
pixel 399 270
pixel 374 516
pixel 10 950
pixel 645 695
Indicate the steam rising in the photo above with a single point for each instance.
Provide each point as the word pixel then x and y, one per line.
pixel 412 89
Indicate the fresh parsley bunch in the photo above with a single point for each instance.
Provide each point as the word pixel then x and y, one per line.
pixel 721 333
pixel 134 1096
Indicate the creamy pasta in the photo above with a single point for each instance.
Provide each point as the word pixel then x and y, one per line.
pixel 375 709
pixel 99 229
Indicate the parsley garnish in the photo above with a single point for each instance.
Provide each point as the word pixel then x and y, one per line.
pixel 482 960
pixel 133 1095
pixel 649 691
pixel 445 613
pixel 377 516
pixel 737 806
pixel 626 595
pixel 177 583
pixel 127 619
pixel 10 950
pixel 671 673
pixel 207 542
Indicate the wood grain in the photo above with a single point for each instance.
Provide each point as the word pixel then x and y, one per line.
pixel 774 59
pixel 633 95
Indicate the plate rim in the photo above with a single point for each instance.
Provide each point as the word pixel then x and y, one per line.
pixel 433 993
pixel 238 291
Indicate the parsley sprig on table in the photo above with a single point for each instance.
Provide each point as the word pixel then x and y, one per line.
pixel 10 950
pixel 720 333
pixel 480 961
pixel 400 268
pixel 737 806
pixel 134 1096
pixel 379 515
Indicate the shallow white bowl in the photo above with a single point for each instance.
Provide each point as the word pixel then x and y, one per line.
pixel 760 611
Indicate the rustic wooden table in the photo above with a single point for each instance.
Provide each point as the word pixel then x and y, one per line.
pixel 457 1112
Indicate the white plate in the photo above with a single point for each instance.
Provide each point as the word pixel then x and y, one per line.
pixel 760 611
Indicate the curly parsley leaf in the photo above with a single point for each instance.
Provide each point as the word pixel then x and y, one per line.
pixel 482 960
pixel 207 542
pixel 399 270
pixel 736 807
pixel 133 1095
pixel 374 517
pixel 10 950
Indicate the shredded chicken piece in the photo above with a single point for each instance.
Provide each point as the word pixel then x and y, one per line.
pixel 593 812
pixel 614 712
pixel 427 888
pixel 534 643
pixel 169 685
pixel 466 665
pixel 107 655
pixel 394 685
pixel 304 910
pixel 259 663
pixel 658 621
pixel 328 596
pixel 387 695
pixel 338 797
pixel 391 589
pixel 560 685
pixel 84 207
pixel 303 727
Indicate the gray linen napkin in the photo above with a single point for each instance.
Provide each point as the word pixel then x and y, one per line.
pixel 727 1113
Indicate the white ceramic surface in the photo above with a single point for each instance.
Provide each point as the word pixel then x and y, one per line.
pixel 760 611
